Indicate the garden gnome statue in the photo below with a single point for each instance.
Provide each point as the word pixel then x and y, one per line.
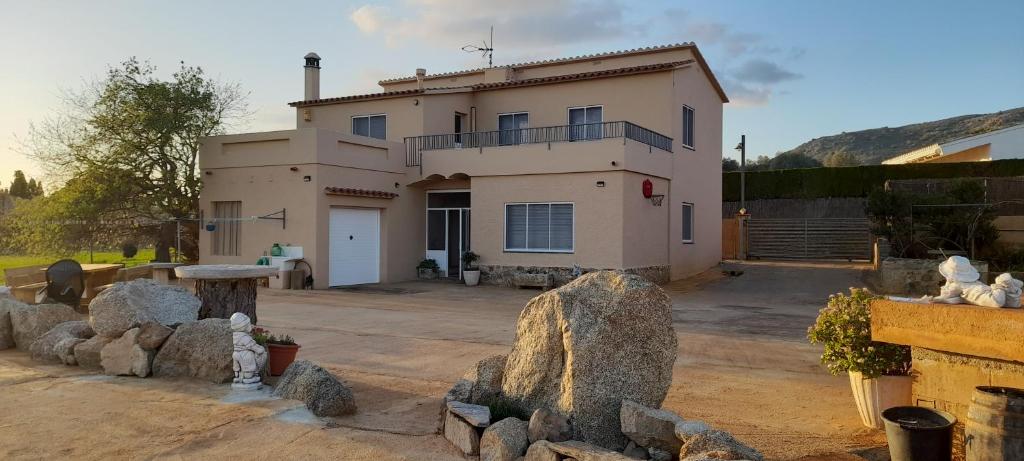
pixel 248 357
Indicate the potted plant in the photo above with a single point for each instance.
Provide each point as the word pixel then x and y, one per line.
pixel 470 271
pixel 281 351
pixel 879 372
pixel 427 269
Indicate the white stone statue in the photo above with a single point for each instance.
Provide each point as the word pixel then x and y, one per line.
pixel 963 286
pixel 248 357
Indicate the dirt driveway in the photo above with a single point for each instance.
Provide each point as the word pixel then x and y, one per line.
pixel 743 366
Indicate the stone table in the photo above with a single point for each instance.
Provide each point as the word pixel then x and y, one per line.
pixel 226 288
pixel 162 271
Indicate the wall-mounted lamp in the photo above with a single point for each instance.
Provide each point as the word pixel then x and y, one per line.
pixel 209 173
pixel 307 178
pixel 396 185
pixel 294 168
pixel 307 115
pixel 600 184
pixel 614 163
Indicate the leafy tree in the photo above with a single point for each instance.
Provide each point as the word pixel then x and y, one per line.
pixel 35 188
pixel 730 164
pixel 130 142
pixel 19 187
pixel 789 160
pixel 841 159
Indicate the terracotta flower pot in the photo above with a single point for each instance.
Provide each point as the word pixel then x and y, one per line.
pixel 875 395
pixel 280 357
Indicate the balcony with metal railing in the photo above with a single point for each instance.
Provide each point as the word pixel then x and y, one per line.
pixel 593 135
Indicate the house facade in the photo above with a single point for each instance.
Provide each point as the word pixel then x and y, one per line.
pixel 1002 144
pixel 607 161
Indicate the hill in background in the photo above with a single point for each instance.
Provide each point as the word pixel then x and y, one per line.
pixel 877 144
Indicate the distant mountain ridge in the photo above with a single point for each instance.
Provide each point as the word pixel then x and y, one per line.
pixel 877 144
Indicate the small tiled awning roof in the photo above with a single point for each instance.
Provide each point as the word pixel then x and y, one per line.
pixel 351 192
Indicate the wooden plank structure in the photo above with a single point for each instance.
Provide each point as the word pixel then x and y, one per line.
pixel 821 239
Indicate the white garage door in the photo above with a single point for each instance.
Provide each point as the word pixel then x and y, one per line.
pixel 354 246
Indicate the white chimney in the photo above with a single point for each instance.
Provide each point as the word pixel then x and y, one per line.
pixel 420 74
pixel 312 77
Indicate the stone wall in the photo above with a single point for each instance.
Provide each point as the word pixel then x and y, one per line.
pixel 505 275
pixel 915 277
pixel 946 381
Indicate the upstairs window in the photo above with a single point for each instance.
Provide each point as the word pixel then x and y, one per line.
pixel 511 128
pixel 688 127
pixel 374 126
pixel 585 122
pixel 539 227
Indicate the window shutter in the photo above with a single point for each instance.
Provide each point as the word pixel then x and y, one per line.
pixel 515 226
pixel 538 230
pixel 687 222
pixel 561 226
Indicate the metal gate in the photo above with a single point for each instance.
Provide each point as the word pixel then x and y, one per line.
pixel 820 238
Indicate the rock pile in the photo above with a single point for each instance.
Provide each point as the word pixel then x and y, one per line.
pixel 135 328
pixel 591 365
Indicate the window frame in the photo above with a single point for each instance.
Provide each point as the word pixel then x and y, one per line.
pixel 693 216
pixel 693 128
pixel 517 139
pixel 587 131
pixel 368 127
pixel 504 229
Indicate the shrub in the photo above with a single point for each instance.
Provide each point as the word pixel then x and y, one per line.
pixel 469 260
pixel 844 328
pixel 428 264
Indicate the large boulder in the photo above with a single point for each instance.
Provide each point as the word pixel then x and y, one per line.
pixel 323 394
pixel 124 357
pixel 6 329
pixel 88 353
pixel 200 349
pixel 152 335
pixel 43 349
pixel 582 349
pixel 65 350
pixel 32 321
pixel 504 440
pixel 127 305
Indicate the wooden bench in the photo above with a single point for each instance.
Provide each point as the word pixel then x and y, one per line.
pixel 127 274
pixel 26 282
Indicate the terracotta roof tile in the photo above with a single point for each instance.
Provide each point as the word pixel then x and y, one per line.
pixel 352 192
pixel 583 76
pixel 547 61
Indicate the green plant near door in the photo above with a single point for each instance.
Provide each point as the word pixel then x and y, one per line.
pixel 844 328
pixel 469 260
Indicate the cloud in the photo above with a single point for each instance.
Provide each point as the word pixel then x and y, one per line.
pixel 525 27
pixel 368 18
pixel 764 72
pixel 744 95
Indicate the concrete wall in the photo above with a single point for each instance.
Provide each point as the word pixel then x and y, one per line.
pixel 697 174
pixel 916 277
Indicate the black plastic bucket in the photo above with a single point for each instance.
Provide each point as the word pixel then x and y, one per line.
pixel 919 434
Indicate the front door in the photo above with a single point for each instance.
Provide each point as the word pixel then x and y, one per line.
pixel 448 230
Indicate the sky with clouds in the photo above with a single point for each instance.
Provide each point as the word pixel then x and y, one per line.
pixel 794 70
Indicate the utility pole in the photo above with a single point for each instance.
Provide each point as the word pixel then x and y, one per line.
pixel 742 147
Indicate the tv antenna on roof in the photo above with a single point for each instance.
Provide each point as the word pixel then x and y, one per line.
pixel 486 51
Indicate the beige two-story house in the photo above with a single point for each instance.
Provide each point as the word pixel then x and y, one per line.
pixel 605 161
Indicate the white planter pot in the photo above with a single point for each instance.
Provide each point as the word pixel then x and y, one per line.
pixel 472 278
pixel 875 395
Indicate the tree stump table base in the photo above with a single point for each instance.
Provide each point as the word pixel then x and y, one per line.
pixel 221 298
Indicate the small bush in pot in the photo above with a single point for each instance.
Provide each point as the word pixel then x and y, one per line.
pixel 427 269
pixel 878 371
pixel 470 271
pixel 281 350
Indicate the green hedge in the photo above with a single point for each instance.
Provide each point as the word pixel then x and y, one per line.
pixel 856 181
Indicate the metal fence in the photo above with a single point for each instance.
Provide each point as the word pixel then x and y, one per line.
pixel 1006 194
pixel 809 239
pixel 414 146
